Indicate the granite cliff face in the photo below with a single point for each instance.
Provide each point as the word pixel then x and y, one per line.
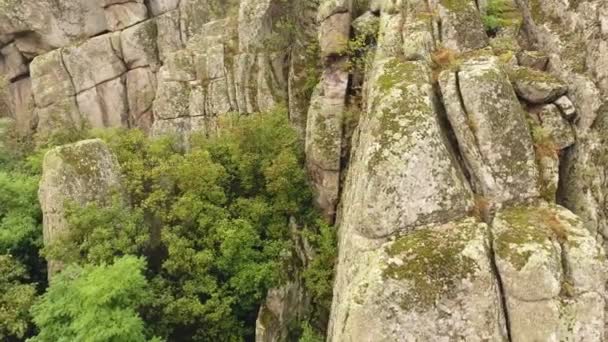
pixel 464 164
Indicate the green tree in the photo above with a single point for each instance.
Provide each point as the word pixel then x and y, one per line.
pixel 16 298
pixel 94 303
pixel 21 222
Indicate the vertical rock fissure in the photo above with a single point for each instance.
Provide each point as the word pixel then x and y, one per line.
pixel 439 31
pixel 560 192
pixel 499 282
pixel 468 118
pixel 179 20
pixel 477 6
pixel 566 273
pixel 450 137
pixel 64 66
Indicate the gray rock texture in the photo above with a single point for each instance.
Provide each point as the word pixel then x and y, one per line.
pixel 75 174
pixel 463 165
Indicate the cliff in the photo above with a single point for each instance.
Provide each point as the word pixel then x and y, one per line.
pixel 458 145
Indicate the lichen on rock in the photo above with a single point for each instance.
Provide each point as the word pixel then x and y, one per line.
pixel 79 173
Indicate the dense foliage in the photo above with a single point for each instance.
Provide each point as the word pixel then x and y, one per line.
pixel 186 252
pixel 94 303
pixel 22 269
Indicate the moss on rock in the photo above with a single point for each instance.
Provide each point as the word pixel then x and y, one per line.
pixel 530 225
pixel 432 262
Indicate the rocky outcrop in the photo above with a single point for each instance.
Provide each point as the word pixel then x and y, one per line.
pixel 553 274
pixel 326 112
pixel 411 265
pixel 75 174
pixel 435 283
pixel 283 306
pixel 491 129
pixel 121 63
pixel 574 35
pixel 464 164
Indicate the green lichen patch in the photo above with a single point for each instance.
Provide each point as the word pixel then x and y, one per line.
pixel 396 72
pixel 327 139
pixel 504 45
pixel 531 75
pixel 409 113
pixel 82 158
pixel 456 5
pixel 529 225
pixel 432 262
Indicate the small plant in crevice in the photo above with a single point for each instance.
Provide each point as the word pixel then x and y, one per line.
pixel 500 14
pixel 544 143
pixel 360 47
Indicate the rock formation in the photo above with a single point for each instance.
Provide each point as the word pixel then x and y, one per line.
pixel 469 190
pixel 75 174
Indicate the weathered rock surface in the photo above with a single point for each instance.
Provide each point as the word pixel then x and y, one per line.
pixel 574 35
pixel 240 59
pixel 433 284
pixel 401 153
pixel 449 127
pixel 282 306
pixel 553 274
pixel 533 59
pixel 558 129
pixel 537 87
pixel 461 27
pixel 507 164
pixel 79 173
pixel 491 129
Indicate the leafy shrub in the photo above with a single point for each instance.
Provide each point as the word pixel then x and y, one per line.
pixel 16 298
pixel 318 276
pixel 94 303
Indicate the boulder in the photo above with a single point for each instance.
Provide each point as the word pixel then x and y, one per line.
pixel 178 66
pixel 21 106
pixel 169 39
pixel 60 115
pixel 433 284
pixel 158 7
pixel 533 60
pixel 194 14
pixel 334 34
pixel 553 274
pixel 12 62
pixel 324 138
pixel 537 87
pixel 141 91
pixel 282 306
pixel 566 107
pixel 105 105
pixel 80 173
pixel 401 153
pixel 138 44
pixel 491 129
pixel 172 100
pixel 51 24
pixel 559 130
pixel 461 27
